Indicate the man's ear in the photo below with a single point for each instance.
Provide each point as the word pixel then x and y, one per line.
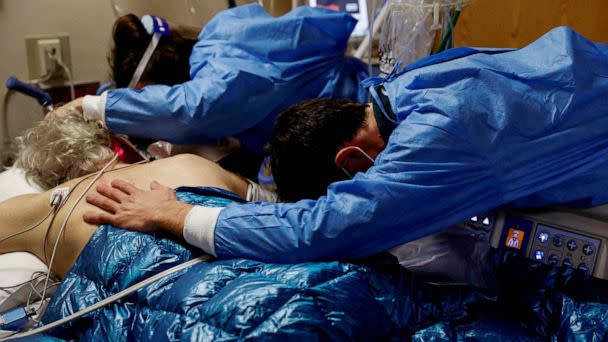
pixel 351 159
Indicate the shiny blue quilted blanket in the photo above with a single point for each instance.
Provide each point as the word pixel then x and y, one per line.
pixel 248 300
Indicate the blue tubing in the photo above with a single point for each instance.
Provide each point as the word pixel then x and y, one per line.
pixel 40 95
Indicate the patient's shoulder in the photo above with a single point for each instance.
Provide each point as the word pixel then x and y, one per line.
pixel 187 158
pixel 190 169
pixel 191 162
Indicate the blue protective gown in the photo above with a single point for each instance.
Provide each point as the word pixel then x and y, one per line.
pixel 246 67
pixel 478 129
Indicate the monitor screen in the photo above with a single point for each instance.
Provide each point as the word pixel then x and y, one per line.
pixel 356 8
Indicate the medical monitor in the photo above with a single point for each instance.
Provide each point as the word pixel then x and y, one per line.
pixel 356 8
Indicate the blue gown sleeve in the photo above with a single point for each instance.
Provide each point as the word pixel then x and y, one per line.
pixel 192 112
pixel 405 197
pixel 477 133
pixel 246 67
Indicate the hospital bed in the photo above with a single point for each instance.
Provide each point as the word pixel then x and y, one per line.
pixel 459 256
pixel 450 259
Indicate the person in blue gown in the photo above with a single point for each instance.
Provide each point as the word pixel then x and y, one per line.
pixel 472 130
pixel 245 67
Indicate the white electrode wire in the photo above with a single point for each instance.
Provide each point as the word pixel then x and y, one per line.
pixel 99 174
pixel 58 207
pixel 64 224
pixel 28 228
pixel 70 79
pixel 112 298
pixel 74 188
pixel 34 277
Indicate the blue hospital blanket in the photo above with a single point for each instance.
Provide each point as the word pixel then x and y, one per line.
pixel 248 300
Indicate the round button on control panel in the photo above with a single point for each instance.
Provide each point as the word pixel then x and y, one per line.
pixel 543 237
pixel 553 259
pixel 557 241
pixel 588 249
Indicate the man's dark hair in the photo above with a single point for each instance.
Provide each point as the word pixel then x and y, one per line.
pixel 169 64
pixel 304 143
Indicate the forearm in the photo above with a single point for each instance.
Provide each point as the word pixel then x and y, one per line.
pixel 172 216
pixel 198 227
pixel 406 196
pixel 194 224
pixel 196 111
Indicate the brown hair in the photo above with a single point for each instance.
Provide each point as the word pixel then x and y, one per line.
pixel 168 65
pixel 304 143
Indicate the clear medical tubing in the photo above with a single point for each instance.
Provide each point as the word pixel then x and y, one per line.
pixel 409 30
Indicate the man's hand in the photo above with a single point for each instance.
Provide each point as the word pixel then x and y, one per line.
pixel 127 206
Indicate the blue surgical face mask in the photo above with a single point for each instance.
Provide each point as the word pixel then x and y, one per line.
pixel 365 155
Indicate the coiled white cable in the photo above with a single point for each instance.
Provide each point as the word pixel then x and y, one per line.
pixel 112 298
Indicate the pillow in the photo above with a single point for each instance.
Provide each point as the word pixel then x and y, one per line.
pixel 17 267
pixel 14 183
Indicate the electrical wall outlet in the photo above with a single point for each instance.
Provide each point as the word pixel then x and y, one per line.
pixel 36 47
pixel 46 49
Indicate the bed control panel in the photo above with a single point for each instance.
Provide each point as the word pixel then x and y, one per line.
pixel 560 237
pixel 558 247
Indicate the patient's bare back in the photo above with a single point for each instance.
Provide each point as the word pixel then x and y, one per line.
pixel 20 212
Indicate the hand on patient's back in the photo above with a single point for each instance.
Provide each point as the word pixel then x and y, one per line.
pixel 126 206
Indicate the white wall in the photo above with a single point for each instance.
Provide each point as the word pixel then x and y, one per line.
pixel 89 24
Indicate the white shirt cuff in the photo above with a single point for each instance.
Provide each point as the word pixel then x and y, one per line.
pixel 94 108
pixel 199 227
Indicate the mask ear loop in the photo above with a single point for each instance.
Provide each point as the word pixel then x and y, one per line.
pixel 364 154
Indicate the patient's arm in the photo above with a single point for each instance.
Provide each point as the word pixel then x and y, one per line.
pixel 21 212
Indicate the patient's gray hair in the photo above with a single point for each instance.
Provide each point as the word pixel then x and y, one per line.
pixel 61 148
